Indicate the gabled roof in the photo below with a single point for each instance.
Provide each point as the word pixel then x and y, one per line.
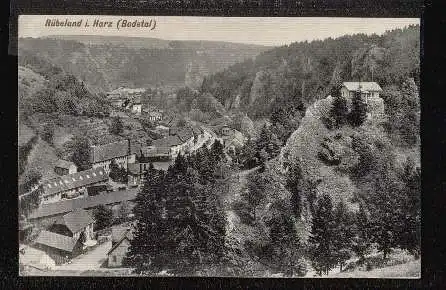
pixel 185 134
pixel 365 86
pixel 64 164
pixel 109 151
pixel 168 141
pixel 150 151
pixel 65 206
pixel 74 180
pixel 119 235
pixel 75 220
pixel 197 130
pixel 56 241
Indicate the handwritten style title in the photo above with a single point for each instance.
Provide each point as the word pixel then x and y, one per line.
pixel 121 23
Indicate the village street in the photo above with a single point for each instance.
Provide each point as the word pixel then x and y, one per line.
pixel 90 260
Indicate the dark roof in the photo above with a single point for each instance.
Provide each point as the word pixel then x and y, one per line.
pixel 109 151
pixel 74 180
pixel 119 235
pixel 56 241
pixel 69 205
pixel 75 220
pixel 64 164
pixel 168 141
pixel 365 86
pixel 197 130
pixel 151 151
pixel 185 134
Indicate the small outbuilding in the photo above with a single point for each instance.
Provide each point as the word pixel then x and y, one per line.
pixel 121 237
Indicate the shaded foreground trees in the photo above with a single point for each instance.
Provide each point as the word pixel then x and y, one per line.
pixel 181 225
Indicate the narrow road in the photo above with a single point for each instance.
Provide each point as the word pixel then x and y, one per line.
pixel 88 261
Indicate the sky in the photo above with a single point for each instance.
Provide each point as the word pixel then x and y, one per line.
pixel 270 31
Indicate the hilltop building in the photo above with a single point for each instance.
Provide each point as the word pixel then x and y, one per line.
pixel 369 92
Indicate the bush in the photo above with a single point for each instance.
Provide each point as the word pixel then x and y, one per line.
pixel 243 210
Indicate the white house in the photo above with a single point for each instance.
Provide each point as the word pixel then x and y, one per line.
pixel 369 90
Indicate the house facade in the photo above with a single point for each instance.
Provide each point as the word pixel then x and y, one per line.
pixel 59 248
pixel 74 224
pixel 67 237
pixel 120 152
pixel 121 238
pixel 64 167
pixel 369 92
pixel 72 185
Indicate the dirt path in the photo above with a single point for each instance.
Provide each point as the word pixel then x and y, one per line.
pixel 89 261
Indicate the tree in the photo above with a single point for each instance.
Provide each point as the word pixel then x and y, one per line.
pixel 256 192
pixel 48 132
pixel 116 127
pixel 103 217
pixel 362 239
pixel 410 213
pixel 117 173
pixel 30 201
pixel 286 251
pixel 80 147
pixel 125 209
pixel 181 225
pixel 217 151
pixel 146 251
pixel 339 111
pixel 343 233
pixel 322 253
pixel 358 112
pixel 31 178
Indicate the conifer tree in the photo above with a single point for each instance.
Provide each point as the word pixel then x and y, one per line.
pixel 339 111
pixel 343 233
pixel 116 127
pixel 322 236
pixel 362 240
pixel 410 213
pixel 358 112
pixel 146 252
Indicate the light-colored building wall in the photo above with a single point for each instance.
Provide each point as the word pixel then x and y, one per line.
pixel 115 258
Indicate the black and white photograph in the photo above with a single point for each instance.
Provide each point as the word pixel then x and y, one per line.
pixel 191 146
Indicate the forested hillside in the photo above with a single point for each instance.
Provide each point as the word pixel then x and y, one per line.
pixel 307 70
pixel 107 63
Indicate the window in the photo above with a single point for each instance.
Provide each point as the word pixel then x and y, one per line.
pixel 114 259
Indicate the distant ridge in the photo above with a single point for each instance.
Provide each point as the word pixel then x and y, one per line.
pixel 151 42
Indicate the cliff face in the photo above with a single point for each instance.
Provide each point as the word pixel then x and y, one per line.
pixel 327 156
